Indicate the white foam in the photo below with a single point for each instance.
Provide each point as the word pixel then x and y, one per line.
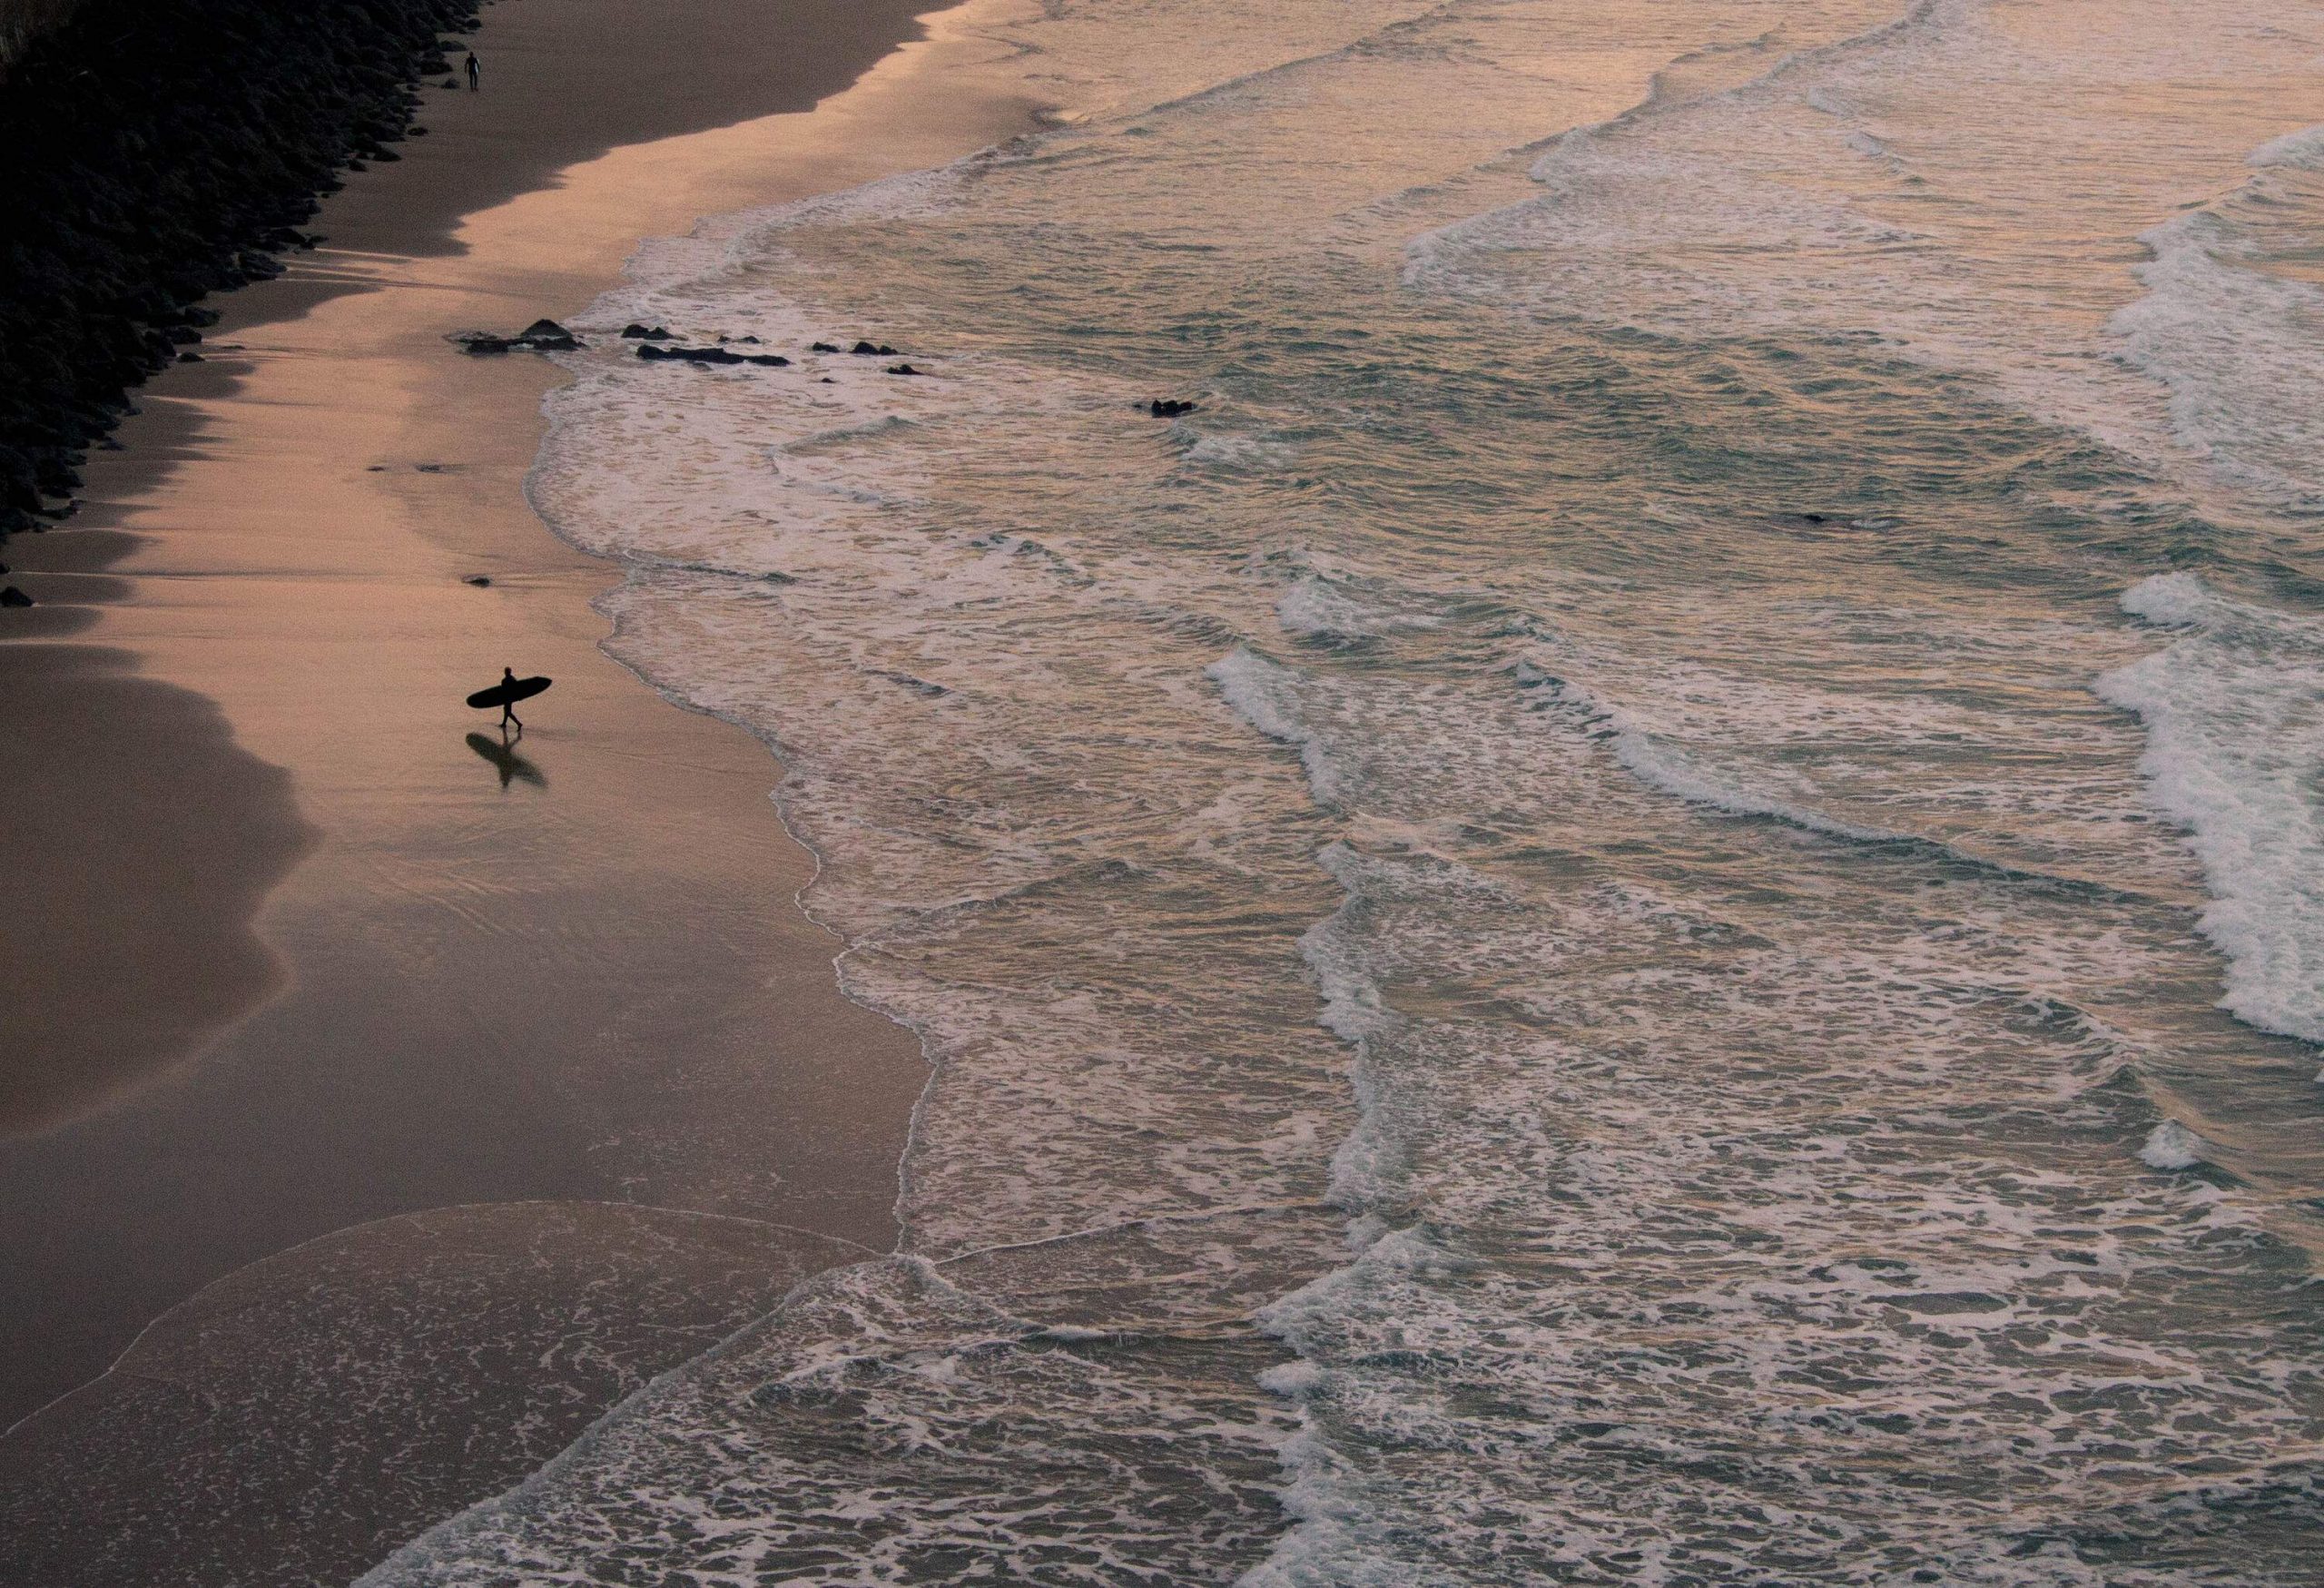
pixel 1265 694
pixel 2171 1146
pixel 2234 712
pixel 2303 149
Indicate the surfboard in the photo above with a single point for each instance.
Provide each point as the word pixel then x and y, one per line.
pixel 507 694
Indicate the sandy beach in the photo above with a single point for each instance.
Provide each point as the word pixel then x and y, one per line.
pixel 417 1092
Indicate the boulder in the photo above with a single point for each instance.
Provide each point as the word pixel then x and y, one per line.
pixel 709 356
pixel 904 370
pixel 13 597
pixel 824 347
pixel 545 336
pixel 1169 408
pixel 636 332
pixel 873 350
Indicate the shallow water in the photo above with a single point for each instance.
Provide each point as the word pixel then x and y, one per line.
pixel 1649 908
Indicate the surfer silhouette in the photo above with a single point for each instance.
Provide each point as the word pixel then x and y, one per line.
pixel 505 695
pixel 474 72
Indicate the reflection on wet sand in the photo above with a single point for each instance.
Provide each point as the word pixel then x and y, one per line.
pixel 502 753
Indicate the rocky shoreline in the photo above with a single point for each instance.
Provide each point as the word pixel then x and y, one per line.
pixel 155 155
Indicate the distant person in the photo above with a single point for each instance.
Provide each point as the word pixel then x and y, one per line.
pixel 505 695
pixel 476 72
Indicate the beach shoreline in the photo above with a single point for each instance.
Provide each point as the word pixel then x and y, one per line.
pixel 441 976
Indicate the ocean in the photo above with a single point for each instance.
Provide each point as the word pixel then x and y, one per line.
pixel 1647 908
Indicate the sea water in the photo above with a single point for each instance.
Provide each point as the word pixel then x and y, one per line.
pixel 1649 908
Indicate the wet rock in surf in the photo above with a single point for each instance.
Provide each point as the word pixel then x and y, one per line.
pixel 13 597
pixel 1169 408
pixel 709 356
pixel 870 350
pixel 543 336
pixel 546 336
pixel 633 332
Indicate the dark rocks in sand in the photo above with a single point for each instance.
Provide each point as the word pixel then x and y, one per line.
pixel 479 580
pixel 189 358
pixel 636 332
pixel 450 83
pixel 1169 408
pixel 709 356
pixel 543 336
pixel 824 348
pixel 13 597
pixel 904 370
pixel 873 350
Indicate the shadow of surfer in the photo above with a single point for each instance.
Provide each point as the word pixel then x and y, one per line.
pixel 502 754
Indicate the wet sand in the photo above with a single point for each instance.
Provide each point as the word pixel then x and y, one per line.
pixel 303 952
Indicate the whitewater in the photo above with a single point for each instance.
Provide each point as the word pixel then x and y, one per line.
pixel 1648 908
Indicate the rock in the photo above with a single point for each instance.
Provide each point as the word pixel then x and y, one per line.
pixel 873 350
pixel 1169 408
pixel 827 381
pixel 751 340
pixel 709 356
pixel 13 597
pixel 904 370
pixel 448 83
pixel 636 332
pixel 545 336
pixel 189 358
pixel 824 348
pixel 478 341
pixel 479 580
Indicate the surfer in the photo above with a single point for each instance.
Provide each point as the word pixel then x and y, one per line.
pixel 505 695
pixel 475 71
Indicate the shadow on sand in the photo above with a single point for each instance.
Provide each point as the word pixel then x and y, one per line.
pixel 502 754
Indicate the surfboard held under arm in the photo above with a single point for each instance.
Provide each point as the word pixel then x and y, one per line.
pixel 507 692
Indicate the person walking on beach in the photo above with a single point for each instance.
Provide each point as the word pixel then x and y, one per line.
pixel 508 681
pixel 474 72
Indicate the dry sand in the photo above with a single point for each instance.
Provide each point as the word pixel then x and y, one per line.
pixel 571 977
